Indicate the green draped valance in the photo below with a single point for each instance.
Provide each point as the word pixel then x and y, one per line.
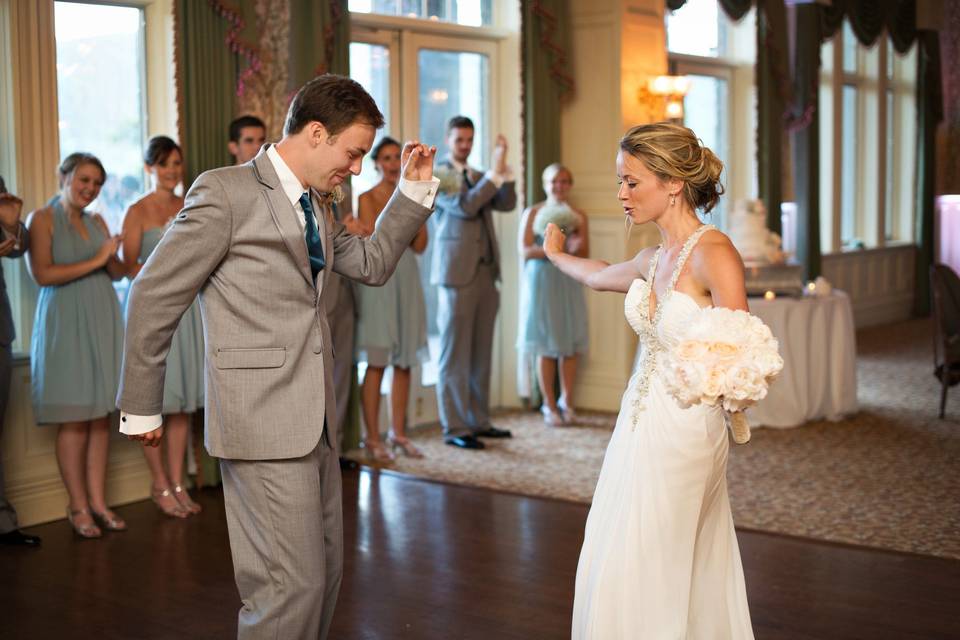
pixel 868 18
pixel 736 9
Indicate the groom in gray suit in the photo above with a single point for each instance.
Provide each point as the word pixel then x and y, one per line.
pixel 258 242
pixel 466 267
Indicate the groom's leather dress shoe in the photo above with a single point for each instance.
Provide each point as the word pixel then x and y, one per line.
pixel 464 442
pixel 19 538
pixel 493 432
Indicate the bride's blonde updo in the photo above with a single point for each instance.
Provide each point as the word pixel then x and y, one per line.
pixel 674 151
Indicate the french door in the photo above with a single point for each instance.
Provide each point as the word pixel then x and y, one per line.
pixel 420 81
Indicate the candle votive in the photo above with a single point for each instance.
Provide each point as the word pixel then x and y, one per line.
pixel 769 295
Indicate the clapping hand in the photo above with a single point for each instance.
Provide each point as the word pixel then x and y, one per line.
pixel 10 207
pixel 7 246
pixel 416 161
pixel 553 240
pixel 500 155
pixel 109 248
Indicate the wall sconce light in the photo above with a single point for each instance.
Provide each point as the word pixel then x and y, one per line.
pixel 663 96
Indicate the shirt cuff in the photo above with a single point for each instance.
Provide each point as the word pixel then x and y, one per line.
pixel 132 425
pixel 499 178
pixel 420 191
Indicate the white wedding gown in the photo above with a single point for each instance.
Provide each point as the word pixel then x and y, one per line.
pixel 660 556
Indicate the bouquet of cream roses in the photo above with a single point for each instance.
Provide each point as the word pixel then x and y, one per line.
pixel 726 357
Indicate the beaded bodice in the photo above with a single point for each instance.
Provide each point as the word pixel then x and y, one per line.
pixel 654 331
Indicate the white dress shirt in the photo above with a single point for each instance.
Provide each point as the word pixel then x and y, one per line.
pixel 422 192
pixel 496 178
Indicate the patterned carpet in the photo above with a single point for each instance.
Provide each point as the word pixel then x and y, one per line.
pixel 888 477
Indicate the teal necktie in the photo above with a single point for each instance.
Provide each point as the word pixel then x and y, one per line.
pixel 314 246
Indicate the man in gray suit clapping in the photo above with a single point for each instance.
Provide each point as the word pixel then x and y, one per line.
pixel 14 241
pixel 466 267
pixel 258 242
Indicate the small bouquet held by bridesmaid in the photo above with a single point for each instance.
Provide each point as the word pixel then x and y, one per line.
pixel 560 215
pixel 726 357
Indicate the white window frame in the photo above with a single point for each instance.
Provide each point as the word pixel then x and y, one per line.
pixel 872 84
pixel 735 65
pixel 404 36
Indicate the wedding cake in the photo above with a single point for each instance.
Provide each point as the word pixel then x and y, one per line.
pixel 766 264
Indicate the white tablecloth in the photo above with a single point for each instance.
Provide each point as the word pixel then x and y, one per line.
pixel 818 345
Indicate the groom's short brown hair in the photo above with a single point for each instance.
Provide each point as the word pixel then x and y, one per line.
pixel 334 101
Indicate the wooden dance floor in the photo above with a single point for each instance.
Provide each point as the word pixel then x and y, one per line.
pixel 425 560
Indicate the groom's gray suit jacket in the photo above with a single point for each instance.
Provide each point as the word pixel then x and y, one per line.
pixel 269 356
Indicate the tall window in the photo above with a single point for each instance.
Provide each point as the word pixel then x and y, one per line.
pixel 867 147
pixel 474 13
pixel 717 56
pixel 370 66
pixel 100 95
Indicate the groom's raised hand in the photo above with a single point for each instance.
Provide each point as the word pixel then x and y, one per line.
pixel 416 161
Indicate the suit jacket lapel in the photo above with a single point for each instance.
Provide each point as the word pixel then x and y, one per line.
pixel 283 214
pixel 321 212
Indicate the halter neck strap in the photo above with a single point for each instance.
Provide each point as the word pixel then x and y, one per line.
pixel 688 246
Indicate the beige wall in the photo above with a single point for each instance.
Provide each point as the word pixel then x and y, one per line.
pixel 617 45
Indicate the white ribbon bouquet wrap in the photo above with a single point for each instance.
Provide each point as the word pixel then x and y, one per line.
pixel 723 357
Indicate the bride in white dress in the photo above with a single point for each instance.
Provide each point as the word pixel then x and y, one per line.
pixel 660 556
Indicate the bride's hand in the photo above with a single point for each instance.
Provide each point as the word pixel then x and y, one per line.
pixel 553 240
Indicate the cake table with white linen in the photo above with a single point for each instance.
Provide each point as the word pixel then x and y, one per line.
pixel 818 345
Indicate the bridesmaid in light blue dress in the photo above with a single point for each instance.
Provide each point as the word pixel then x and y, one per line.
pixel 77 339
pixel 144 224
pixel 392 329
pixel 553 311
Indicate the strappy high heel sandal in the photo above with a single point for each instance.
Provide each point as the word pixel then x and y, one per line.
pixel 109 520
pixel 174 510
pixel 185 500
pixel 567 412
pixel 87 531
pixel 376 452
pixel 408 448
pixel 551 418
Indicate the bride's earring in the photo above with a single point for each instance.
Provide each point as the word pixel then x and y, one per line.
pixel 673 199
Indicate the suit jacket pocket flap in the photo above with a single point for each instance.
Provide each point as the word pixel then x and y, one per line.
pixel 269 358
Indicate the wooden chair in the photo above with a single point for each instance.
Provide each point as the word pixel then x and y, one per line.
pixel 945 285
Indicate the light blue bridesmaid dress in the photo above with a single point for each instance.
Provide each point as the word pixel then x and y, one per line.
pixel 77 338
pixel 183 384
pixel 553 311
pixel 392 325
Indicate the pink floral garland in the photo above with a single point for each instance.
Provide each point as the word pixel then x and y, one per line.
pixel 235 44
pixel 549 24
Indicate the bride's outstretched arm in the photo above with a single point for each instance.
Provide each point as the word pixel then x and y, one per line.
pixel 596 274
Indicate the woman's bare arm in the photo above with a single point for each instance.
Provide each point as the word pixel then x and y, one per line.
pixel 526 242
pixel 132 240
pixel 719 267
pixel 596 274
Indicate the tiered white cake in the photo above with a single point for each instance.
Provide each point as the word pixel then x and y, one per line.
pixel 766 264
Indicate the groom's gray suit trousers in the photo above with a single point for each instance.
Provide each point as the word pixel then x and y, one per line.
pixel 288 545
pixel 466 316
